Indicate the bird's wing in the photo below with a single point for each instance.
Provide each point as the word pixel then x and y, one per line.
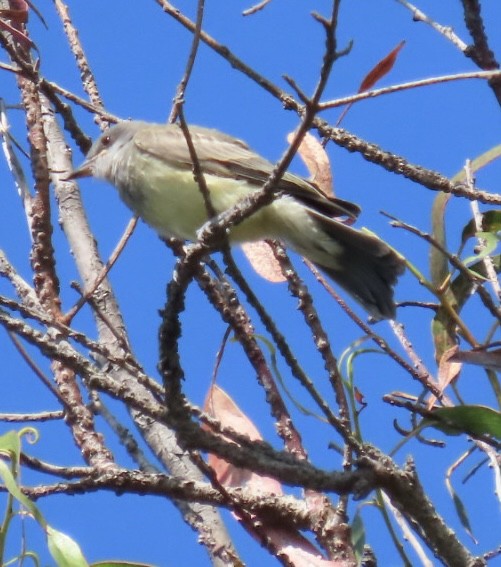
pixel 224 156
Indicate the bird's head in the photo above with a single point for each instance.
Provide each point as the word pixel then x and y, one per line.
pixel 103 156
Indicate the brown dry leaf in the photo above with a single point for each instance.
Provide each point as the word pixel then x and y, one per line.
pixel 381 69
pixel 287 540
pixel 448 371
pixel 262 259
pixel 488 359
pixel 317 161
pixel 218 404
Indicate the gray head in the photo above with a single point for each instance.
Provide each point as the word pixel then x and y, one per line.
pixel 101 160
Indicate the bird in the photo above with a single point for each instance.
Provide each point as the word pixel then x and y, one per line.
pixel 151 167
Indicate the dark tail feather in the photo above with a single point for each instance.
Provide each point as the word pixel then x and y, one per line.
pixel 366 268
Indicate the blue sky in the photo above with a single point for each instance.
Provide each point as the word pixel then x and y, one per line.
pixel 138 55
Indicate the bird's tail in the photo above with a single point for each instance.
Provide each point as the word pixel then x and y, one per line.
pixel 360 263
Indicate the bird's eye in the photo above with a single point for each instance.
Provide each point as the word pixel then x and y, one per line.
pixel 106 141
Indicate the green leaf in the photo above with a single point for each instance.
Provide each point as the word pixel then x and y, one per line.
pixel 473 420
pixel 458 504
pixel 462 286
pixel 463 516
pixel 439 265
pixel 491 242
pixel 65 551
pixel 10 444
pixel 491 222
pixel 478 163
pixel 358 535
pixel 443 327
pixel 273 356
pixel 11 485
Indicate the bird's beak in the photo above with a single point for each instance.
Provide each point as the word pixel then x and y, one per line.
pixel 83 170
pixel 86 169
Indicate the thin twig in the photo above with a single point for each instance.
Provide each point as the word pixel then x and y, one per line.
pixel 477 218
pixel 126 362
pixel 446 31
pixel 486 75
pixel 36 417
pixel 14 164
pixel 408 535
pixel 89 82
pixel 34 367
pixel 181 88
pixel 282 344
pixel 480 52
pixel 129 229
pixel 219 354
pixel 456 263
pixel 370 151
pixel 256 8
pixel 125 437
pixel 424 378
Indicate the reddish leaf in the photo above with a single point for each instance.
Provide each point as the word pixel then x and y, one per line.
pixel 261 256
pixel 286 540
pixel 20 36
pixel 290 544
pixel 19 5
pixel 381 69
pixel 359 397
pixel 17 12
pixel 317 161
pixel 220 406
pixel 18 16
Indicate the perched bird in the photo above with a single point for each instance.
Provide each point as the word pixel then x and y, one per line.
pixel 151 167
